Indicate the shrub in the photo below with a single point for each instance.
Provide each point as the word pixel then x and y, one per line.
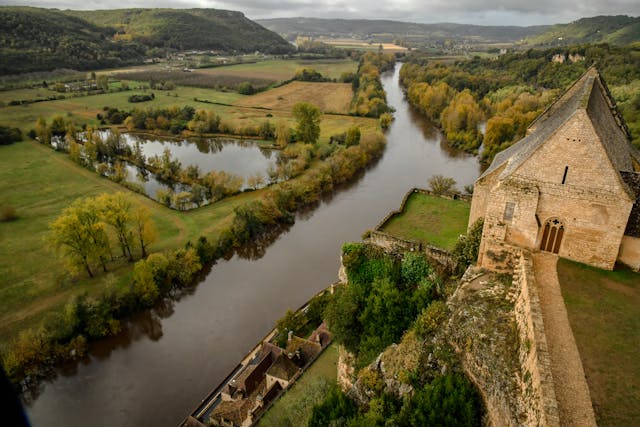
pixel 336 409
pixel 466 250
pixel 9 135
pixel 431 318
pixel 414 268
pixel 440 184
pixel 7 213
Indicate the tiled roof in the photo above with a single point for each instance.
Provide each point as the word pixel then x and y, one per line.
pixel 283 368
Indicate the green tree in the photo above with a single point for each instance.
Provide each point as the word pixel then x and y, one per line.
pixel 336 409
pixel 308 117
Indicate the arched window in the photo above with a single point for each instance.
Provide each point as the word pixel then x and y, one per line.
pixel 552 235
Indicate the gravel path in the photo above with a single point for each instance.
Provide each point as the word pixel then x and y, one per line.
pixel 572 392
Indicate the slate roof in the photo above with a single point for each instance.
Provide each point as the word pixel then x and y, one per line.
pixel 602 111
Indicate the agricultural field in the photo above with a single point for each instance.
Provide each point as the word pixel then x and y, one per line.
pixel 329 97
pixel 280 70
pixel 604 313
pixel 363 45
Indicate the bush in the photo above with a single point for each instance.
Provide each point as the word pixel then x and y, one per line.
pixel 245 88
pixel 414 268
pixel 440 185
pixel 336 409
pixel 7 213
pixel 466 250
pixel 9 135
pixel 450 400
pixel 431 318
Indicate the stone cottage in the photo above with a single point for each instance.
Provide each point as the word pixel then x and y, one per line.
pixel 571 186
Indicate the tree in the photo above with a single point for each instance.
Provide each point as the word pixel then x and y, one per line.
pixel 143 228
pixel 42 131
pixel 353 136
pixel 117 212
pixel 282 133
pixel 440 184
pixel 335 410
pixel 308 117
pixel 81 235
pixel 103 82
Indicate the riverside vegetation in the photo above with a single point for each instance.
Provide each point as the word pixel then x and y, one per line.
pixel 510 91
pixel 63 334
pixel 398 298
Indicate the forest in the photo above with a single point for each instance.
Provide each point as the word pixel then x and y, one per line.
pixel 507 93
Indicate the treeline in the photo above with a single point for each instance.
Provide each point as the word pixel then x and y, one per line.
pixel 369 98
pixel 398 299
pixel 509 91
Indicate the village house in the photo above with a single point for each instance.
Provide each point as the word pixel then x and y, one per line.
pixel 571 186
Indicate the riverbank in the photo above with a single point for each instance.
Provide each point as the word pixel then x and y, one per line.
pixel 180 349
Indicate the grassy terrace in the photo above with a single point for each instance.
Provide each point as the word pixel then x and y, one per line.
pixel 604 312
pixel 434 220
pixel 294 407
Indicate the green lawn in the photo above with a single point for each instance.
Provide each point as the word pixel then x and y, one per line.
pixel 434 220
pixel 604 312
pixel 40 183
pixel 294 407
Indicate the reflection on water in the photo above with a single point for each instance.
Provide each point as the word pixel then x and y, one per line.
pixel 243 158
pixel 157 371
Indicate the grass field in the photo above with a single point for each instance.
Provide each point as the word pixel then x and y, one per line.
pixel 279 70
pixel 40 183
pixel 435 220
pixel 294 407
pixel 329 97
pixel 362 45
pixel 604 312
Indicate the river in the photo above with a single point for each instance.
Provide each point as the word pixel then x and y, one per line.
pixel 172 357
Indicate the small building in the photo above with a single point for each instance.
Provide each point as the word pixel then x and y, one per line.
pixel 571 186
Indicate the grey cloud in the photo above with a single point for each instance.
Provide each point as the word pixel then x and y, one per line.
pixel 488 12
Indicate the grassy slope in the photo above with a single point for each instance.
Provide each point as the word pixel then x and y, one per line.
pixel 294 407
pixel 435 220
pixel 604 312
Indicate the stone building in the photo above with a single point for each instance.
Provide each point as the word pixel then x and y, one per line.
pixel 571 186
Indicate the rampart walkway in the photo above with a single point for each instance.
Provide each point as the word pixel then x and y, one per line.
pixel 572 391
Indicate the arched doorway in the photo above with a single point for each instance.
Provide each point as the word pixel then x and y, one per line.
pixel 552 235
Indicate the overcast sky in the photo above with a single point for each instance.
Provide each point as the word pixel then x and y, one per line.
pixel 482 12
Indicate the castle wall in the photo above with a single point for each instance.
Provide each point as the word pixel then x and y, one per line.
pixel 630 252
pixel 592 203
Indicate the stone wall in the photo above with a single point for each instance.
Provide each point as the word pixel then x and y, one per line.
pixel 537 390
pixel 394 244
pixel 630 252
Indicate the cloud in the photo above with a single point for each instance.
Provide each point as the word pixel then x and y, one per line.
pixel 487 12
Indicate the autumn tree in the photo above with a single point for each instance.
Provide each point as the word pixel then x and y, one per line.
pixel 282 133
pixel 460 121
pixel 42 131
pixel 308 117
pixel 144 229
pixel 81 236
pixel 117 212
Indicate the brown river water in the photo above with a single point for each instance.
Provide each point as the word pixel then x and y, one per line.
pixel 171 357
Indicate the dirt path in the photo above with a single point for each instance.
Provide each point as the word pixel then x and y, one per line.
pixel 572 392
